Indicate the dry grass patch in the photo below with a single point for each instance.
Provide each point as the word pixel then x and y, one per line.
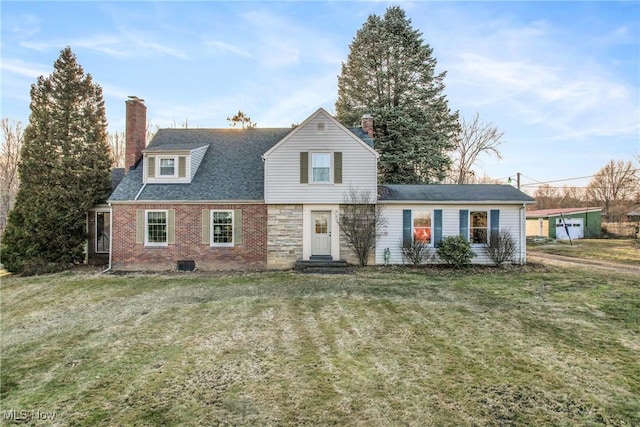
pixel 428 347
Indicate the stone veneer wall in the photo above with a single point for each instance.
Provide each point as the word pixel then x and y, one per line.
pixel 284 235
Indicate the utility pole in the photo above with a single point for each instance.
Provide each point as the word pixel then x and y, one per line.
pixel 517 180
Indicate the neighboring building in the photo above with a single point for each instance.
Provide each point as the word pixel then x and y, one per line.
pixel 565 223
pixel 238 199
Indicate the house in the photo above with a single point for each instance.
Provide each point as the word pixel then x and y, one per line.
pixel 565 223
pixel 229 199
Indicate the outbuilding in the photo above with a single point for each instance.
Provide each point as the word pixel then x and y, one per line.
pixel 565 223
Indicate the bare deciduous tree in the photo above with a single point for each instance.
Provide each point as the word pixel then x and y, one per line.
pixel 12 135
pixel 117 143
pixel 360 221
pixel 615 186
pixel 475 138
pixel 240 118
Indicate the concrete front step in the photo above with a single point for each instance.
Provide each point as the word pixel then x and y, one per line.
pixel 323 267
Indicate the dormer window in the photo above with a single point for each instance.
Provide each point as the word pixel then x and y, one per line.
pixel 172 166
pixel 167 167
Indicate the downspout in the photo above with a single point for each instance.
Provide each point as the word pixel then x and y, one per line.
pixel 141 190
pixel 110 237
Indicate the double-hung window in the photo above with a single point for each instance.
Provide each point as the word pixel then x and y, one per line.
pixel 222 228
pixel 478 227
pixel 321 167
pixel 167 167
pixel 156 227
pixel 422 226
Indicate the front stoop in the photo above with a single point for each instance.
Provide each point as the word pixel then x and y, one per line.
pixel 324 266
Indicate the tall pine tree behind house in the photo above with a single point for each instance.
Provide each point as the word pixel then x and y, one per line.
pixel 390 74
pixel 64 171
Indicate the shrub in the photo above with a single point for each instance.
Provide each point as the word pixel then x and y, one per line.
pixel 455 251
pixel 417 252
pixel 501 247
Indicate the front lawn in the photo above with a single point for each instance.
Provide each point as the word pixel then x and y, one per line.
pixel 525 346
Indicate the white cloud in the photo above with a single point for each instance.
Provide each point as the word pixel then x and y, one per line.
pixel 23 68
pixel 228 48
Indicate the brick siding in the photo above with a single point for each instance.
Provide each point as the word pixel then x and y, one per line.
pixel 131 256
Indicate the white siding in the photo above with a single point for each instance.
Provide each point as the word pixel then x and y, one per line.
pixel 196 158
pixel 511 219
pixel 282 164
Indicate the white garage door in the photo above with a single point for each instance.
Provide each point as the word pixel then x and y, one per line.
pixel 573 226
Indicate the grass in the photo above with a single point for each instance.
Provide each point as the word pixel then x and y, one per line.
pixel 617 250
pixel 525 346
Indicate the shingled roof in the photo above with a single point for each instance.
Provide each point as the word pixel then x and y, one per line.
pixel 232 168
pixel 452 193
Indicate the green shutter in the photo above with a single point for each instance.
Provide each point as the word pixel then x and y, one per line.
pixel 151 167
pixel 237 227
pixel 337 168
pixel 171 226
pixel 140 226
pixel 182 167
pixel 464 224
pixel 407 236
pixel 206 227
pixel 304 167
pixel 437 227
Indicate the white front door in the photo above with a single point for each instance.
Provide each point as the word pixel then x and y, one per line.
pixel 321 233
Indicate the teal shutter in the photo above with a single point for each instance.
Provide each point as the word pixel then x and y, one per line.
pixel 494 222
pixel 304 167
pixel 406 228
pixel 437 227
pixel 464 224
pixel 337 168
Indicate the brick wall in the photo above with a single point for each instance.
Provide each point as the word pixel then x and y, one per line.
pixel 131 256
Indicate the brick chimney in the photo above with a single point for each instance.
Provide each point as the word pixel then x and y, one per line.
pixel 367 124
pixel 136 131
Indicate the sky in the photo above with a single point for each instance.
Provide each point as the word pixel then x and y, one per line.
pixel 560 79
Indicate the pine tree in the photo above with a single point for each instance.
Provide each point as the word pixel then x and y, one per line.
pixel 64 171
pixel 390 74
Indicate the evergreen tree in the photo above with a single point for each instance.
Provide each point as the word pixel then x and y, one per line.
pixel 64 171
pixel 390 74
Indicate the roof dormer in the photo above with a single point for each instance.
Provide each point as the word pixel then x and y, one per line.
pixel 172 166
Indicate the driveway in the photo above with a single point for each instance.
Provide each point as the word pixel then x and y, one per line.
pixel 565 261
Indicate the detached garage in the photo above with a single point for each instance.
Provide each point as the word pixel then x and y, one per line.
pixel 565 223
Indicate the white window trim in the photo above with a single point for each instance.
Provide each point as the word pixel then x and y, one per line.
pixel 311 181
pixel 146 228
pixel 211 229
pixel 487 228
pixel 413 218
pixel 95 231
